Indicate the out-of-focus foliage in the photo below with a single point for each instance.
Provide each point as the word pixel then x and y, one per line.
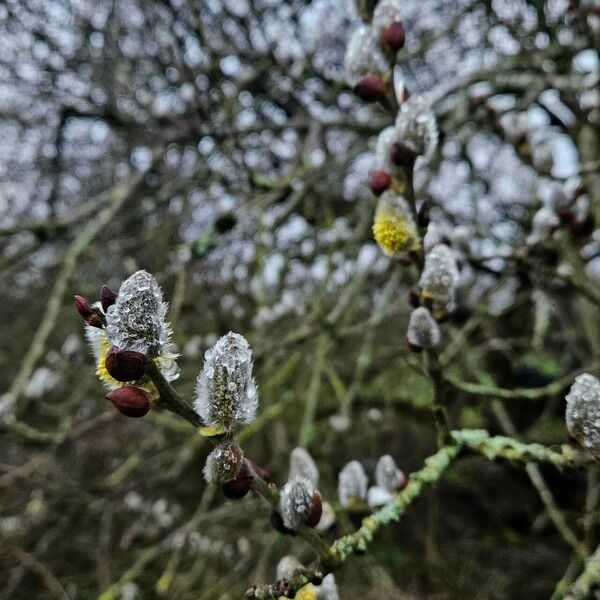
pixel 236 161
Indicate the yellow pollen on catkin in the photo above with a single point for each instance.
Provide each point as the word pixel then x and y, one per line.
pixel 394 233
pixel 308 592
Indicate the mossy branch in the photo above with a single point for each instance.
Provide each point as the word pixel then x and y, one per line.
pixel 467 440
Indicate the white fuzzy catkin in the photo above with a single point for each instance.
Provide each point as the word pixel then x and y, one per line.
pixel 287 566
pixel 416 126
pixel 388 475
pixel 383 149
pixel 439 279
pixel 136 321
pixel 364 56
pixel 378 496
pixel 583 412
pixel 302 465
pixel 226 393
pixel 386 12
pixel 544 223
pixel 224 463
pixel 295 502
pixel 423 331
pixel 352 484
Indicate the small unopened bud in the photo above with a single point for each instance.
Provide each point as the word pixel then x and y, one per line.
pixel 130 401
pixel 394 36
pixel 276 521
pixel 107 297
pixel 352 484
pixel 424 215
pixel 379 181
pixel 583 412
pixel 83 307
pixel 92 316
pixel 402 155
pixel 224 463
pixel 237 488
pixel 370 88
pixel 126 365
pixel 296 502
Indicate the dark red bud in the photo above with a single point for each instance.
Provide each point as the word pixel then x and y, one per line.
pixel 402 155
pixel 125 365
pixel 406 259
pixel 370 88
pixel 83 307
pixel 394 36
pixel 315 512
pixel 413 347
pixel 107 297
pixel 130 401
pixel 92 316
pixel 379 181
pixel 405 94
pixel 262 473
pixel 595 10
pixel 414 300
pixel 424 215
pixel 237 488
pixel 277 521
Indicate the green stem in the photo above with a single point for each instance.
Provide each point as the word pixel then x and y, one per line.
pixel 169 398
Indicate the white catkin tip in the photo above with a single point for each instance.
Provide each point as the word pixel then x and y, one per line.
pixel 287 566
pixel 388 475
pixel 328 589
pixel 295 502
pixel 226 393
pixel 224 463
pixel 364 56
pixel 378 496
pixel 439 279
pixel 352 484
pixel 302 465
pixel 423 331
pixel 386 12
pixel 416 126
pixel 136 321
pixel 583 412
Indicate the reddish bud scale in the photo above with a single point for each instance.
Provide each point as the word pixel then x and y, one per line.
pixel 315 512
pixel 237 488
pixel 402 155
pixel 92 316
pixel 262 473
pixel 379 181
pixel 130 401
pixel 107 297
pixel 370 88
pixel 394 36
pixel 125 365
pixel 83 307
